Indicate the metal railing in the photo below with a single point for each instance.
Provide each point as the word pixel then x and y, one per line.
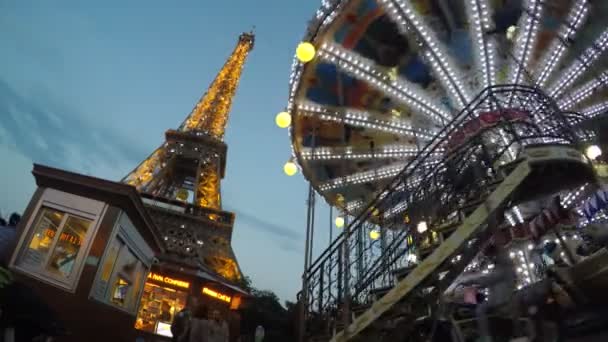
pixel 430 189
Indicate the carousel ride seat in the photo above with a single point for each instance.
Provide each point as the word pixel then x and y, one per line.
pixel 589 277
pixel 377 293
pixel 402 272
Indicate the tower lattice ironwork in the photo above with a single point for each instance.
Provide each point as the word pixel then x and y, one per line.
pixel 180 180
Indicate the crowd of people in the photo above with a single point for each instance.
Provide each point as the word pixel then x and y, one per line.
pixel 501 281
pixel 195 323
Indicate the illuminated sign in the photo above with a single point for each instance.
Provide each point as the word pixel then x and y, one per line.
pixel 216 295
pixel 73 239
pixel 236 302
pixel 169 281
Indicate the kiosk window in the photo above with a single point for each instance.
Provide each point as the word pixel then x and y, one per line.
pixel 159 305
pixel 121 274
pixel 125 273
pixel 68 246
pixel 54 244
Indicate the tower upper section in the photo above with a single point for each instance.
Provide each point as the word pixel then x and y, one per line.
pixel 198 143
pixel 180 180
pixel 210 115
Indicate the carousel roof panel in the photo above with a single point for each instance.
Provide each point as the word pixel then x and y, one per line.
pixel 396 73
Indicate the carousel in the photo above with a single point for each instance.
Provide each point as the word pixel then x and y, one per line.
pixel 439 129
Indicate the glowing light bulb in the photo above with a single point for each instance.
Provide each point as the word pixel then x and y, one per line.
pixel 422 227
pixel 290 168
pixel 374 234
pixel 339 222
pixel 283 119
pixel 305 52
pixel 593 151
pixel 412 257
pixel 511 31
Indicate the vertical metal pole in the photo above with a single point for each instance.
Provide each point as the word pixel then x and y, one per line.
pixel 340 274
pixel 331 238
pixel 312 224
pixel 359 256
pixel 564 246
pixel 383 250
pixel 331 224
pixel 304 298
pixel 346 259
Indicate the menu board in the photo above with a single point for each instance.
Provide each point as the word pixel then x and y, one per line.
pixel 158 307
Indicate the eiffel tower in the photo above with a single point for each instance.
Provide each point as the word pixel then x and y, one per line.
pixel 180 181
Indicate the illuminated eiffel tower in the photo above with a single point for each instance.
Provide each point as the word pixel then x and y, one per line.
pixel 180 181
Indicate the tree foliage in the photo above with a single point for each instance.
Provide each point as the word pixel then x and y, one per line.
pixel 264 308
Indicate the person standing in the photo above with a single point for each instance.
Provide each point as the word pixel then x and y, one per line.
pixel 180 327
pixel 501 283
pixel 217 328
pixel 259 334
pixel 199 325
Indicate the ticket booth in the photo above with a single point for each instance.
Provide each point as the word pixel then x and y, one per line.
pixel 163 297
pixel 166 292
pixel 86 245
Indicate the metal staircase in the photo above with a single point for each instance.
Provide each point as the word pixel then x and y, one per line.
pixel 447 260
pixel 374 290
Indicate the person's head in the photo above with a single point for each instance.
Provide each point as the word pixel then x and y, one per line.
pixel 201 312
pixel 497 255
pixel 215 315
pixel 192 302
pixel 491 252
pixel 14 219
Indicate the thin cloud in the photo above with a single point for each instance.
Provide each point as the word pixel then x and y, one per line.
pixel 37 130
pixel 269 227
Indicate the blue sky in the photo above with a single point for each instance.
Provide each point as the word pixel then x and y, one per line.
pixel 93 88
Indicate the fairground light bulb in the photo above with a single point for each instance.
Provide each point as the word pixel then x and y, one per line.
pixel 593 152
pixel 290 168
pixel 305 52
pixel 283 119
pixel 339 221
pixel 374 234
pixel 511 31
pixel 422 227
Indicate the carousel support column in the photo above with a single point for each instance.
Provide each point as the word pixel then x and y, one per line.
pixel 563 245
pixel 307 253
pixel 312 225
pixel 383 251
pixel 331 238
pixel 344 272
pixel 360 274
pixel 346 269
pixel 340 280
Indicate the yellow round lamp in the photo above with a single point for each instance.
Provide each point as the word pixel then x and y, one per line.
pixel 422 227
pixel 283 119
pixel 290 168
pixel 339 222
pixel 593 152
pixel 305 52
pixel 374 234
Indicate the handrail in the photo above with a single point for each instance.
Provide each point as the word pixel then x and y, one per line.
pixel 391 185
pixel 430 183
pixel 423 155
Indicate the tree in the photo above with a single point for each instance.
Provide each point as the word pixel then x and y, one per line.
pixel 265 309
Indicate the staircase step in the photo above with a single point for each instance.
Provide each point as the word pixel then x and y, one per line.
pixel 401 273
pixel 379 292
pixel 359 309
pixel 424 252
